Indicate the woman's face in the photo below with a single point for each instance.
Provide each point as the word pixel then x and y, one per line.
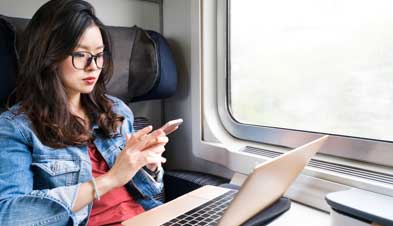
pixel 82 80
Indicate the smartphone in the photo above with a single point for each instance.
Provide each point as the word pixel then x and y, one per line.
pixel 171 126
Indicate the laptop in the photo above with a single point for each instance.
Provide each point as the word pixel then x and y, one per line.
pixel 211 205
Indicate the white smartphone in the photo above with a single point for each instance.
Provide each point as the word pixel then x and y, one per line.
pixel 172 125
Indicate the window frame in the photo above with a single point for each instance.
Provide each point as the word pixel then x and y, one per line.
pixel 354 148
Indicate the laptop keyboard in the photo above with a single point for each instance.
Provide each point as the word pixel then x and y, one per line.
pixel 208 213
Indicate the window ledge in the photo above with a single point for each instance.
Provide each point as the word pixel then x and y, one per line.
pixel 300 214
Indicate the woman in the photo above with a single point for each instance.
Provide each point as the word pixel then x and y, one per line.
pixel 66 153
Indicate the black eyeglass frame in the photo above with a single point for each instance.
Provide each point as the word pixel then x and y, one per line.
pixel 105 54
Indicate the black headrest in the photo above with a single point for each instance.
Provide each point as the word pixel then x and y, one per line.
pixel 8 59
pixel 144 67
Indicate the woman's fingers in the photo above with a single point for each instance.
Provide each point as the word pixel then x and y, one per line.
pixel 159 140
pixel 169 131
pixel 155 137
pixel 139 134
pixel 142 132
pixel 154 159
pixel 156 149
pixel 141 144
pixel 143 140
pixel 137 137
pixel 155 134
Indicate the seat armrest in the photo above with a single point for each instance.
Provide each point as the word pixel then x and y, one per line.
pixel 180 182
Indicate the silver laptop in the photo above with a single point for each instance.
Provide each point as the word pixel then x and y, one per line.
pixel 211 205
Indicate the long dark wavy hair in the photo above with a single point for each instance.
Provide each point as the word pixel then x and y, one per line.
pixel 50 37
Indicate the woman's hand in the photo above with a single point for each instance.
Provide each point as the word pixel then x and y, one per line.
pixel 153 166
pixel 142 148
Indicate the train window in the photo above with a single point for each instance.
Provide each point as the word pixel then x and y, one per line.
pixel 313 65
pixel 298 69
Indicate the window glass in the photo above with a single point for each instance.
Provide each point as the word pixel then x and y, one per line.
pixel 312 65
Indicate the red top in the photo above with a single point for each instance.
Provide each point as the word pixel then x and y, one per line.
pixel 116 205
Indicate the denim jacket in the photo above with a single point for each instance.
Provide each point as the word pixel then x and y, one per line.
pixel 39 184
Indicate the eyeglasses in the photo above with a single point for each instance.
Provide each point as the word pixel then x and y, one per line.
pixel 81 59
